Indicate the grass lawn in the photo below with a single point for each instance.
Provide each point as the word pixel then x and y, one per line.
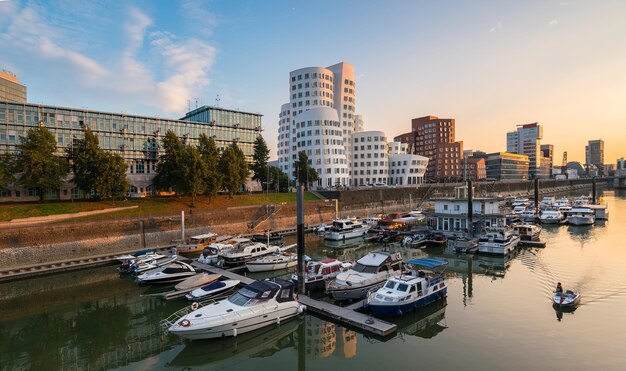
pixel 146 206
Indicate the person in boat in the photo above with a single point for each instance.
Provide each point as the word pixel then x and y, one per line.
pixel 421 274
pixel 559 288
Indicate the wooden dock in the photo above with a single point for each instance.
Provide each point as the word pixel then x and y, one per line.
pixel 532 243
pixel 349 316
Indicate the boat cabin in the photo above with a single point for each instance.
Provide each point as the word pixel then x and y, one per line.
pixel 260 291
pixel 378 262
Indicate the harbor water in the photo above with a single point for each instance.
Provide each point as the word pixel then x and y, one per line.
pixel 497 316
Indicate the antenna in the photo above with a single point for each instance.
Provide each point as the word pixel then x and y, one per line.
pixel 188 105
pixel 196 103
pixel 217 101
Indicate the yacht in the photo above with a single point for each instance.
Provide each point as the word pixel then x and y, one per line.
pixel 173 272
pixel 581 216
pixel 130 261
pixel 212 289
pixel 368 274
pixel 562 202
pixel 497 241
pixel 528 215
pixel 259 304
pixel 411 290
pixel 210 254
pixel 272 262
pixel 243 251
pixel 551 215
pixel 343 229
pixel 318 272
pixel 196 243
pixel 548 201
pixel 143 266
pixel 527 231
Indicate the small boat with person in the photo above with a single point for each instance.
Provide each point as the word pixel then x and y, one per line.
pixel 254 306
pixel 567 299
pixel 411 290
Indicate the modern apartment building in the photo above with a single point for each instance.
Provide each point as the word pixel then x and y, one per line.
pixel 594 153
pixel 507 166
pixel 434 138
pixel 10 88
pixel 136 138
pixel 547 151
pixel 320 120
pixel 526 140
pixel 475 168
pixel 370 158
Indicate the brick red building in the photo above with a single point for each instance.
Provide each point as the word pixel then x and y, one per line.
pixel 476 169
pixel 433 137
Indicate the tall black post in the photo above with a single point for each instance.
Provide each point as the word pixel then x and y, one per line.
pixel 300 231
pixel 470 208
pixel 593 190
pixel 536 195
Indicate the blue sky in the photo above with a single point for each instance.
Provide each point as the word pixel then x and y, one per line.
pixel 489 64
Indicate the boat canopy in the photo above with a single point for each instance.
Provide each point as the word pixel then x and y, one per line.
pixel 203 236
pixel 428 262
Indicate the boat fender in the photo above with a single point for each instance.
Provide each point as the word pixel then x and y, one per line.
pixel 185 323
pixel 194 306
pixel 234 332
pixel 278 320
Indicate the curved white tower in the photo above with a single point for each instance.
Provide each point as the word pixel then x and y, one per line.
pixel 319 119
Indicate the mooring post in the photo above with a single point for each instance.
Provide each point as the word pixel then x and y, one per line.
pixel 593 190
pixel 182 226
pixel 470 208
pixel 536 195
pixel 300 232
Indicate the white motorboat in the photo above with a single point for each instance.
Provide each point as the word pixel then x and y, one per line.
pixel 243 251
pixel 173 272
pixel 343 229
pixel 517 210
pixel 148 265
pixel 497 241
pixel 130 261
pixel 196 243
pixel 272 262
pixel 528 215
pixel 581 216
pixel 562 202
pixel 212 289
pixel 548 201
pixel 551 215
pixel 317 273
pixel 410 290
pixel 527 231
pixel 210 254
pixel 368 274
pixel 520 202
pixel 259 304
pixel 136 255
pixel 566 299
pixel 197 280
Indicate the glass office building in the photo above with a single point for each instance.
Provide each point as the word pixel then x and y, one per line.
pixel 136 138
pixel 507 166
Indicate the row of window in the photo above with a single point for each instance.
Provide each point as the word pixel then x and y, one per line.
pixel 313 75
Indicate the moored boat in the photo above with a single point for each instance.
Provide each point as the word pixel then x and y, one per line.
pixel 581 216
pixel 257 305
pixel 272 262
pixel 174 272
pixel 196 243
pixel 497 241
pixel 410 290
pixel 243 251
pixel 343 229
pixel 212 289
pixel 318 272
pixel 551 215
pixel 197 280
pixel 368 274
pixel 527 231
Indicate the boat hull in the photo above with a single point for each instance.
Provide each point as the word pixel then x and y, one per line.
pixel 388 310
pixel 580 220
pixel 355 293
pixel 550 220
pixel 239 325
pixel 262 267
pixel 497 248
pixel 336 236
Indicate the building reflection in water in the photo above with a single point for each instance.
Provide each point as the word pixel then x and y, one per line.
pixel 425 323
pixel 324 339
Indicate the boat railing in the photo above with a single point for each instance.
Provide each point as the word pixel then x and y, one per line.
pixel 174 317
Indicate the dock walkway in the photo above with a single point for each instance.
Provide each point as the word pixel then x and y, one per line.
pixel 225 273
pixel 349 316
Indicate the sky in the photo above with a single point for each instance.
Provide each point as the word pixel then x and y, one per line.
pixel 491 65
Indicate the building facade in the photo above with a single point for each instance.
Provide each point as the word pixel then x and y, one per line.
pixel 370 164
pixel 594 153
pixel 526 140
pixel 10 88
pixel 476 168
pixel 406 169
pixel 320 120
pixel 547 152
pixel 136 138
pixel 434 138
pixel 507 166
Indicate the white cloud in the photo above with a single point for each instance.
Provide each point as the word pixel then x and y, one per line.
pixel 553 23
pixel 496 27
pixel 202 19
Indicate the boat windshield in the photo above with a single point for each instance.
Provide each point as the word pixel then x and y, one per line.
pixel 390 285
pixel 403 287
pixel 364 268
pixel 246 297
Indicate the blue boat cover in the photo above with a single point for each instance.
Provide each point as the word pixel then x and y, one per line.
pixel 428 262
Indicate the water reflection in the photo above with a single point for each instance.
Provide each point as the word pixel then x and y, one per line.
pixel 257 344
pixel 341 244
pixel 425 323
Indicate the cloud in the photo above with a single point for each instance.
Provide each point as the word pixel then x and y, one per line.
pixel 496 27
pixel 203 20
pixel 553 23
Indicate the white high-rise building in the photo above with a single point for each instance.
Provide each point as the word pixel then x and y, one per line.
pixel 405 168
pixel 526 140
pixel 319 119
pixel 370 163
pixel 358 123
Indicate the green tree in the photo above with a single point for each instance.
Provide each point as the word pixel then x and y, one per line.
pixel 279 181
pixel 259 161
pixel 7 170
pixel 36 160
pixel 194 173
pixel 304 173
pixel 210 155
pixel 229 168
pixel 243 169
pixel 169 174
pixel 85 156
pixel 111 181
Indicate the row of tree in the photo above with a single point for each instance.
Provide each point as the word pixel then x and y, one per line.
pixel 183 168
